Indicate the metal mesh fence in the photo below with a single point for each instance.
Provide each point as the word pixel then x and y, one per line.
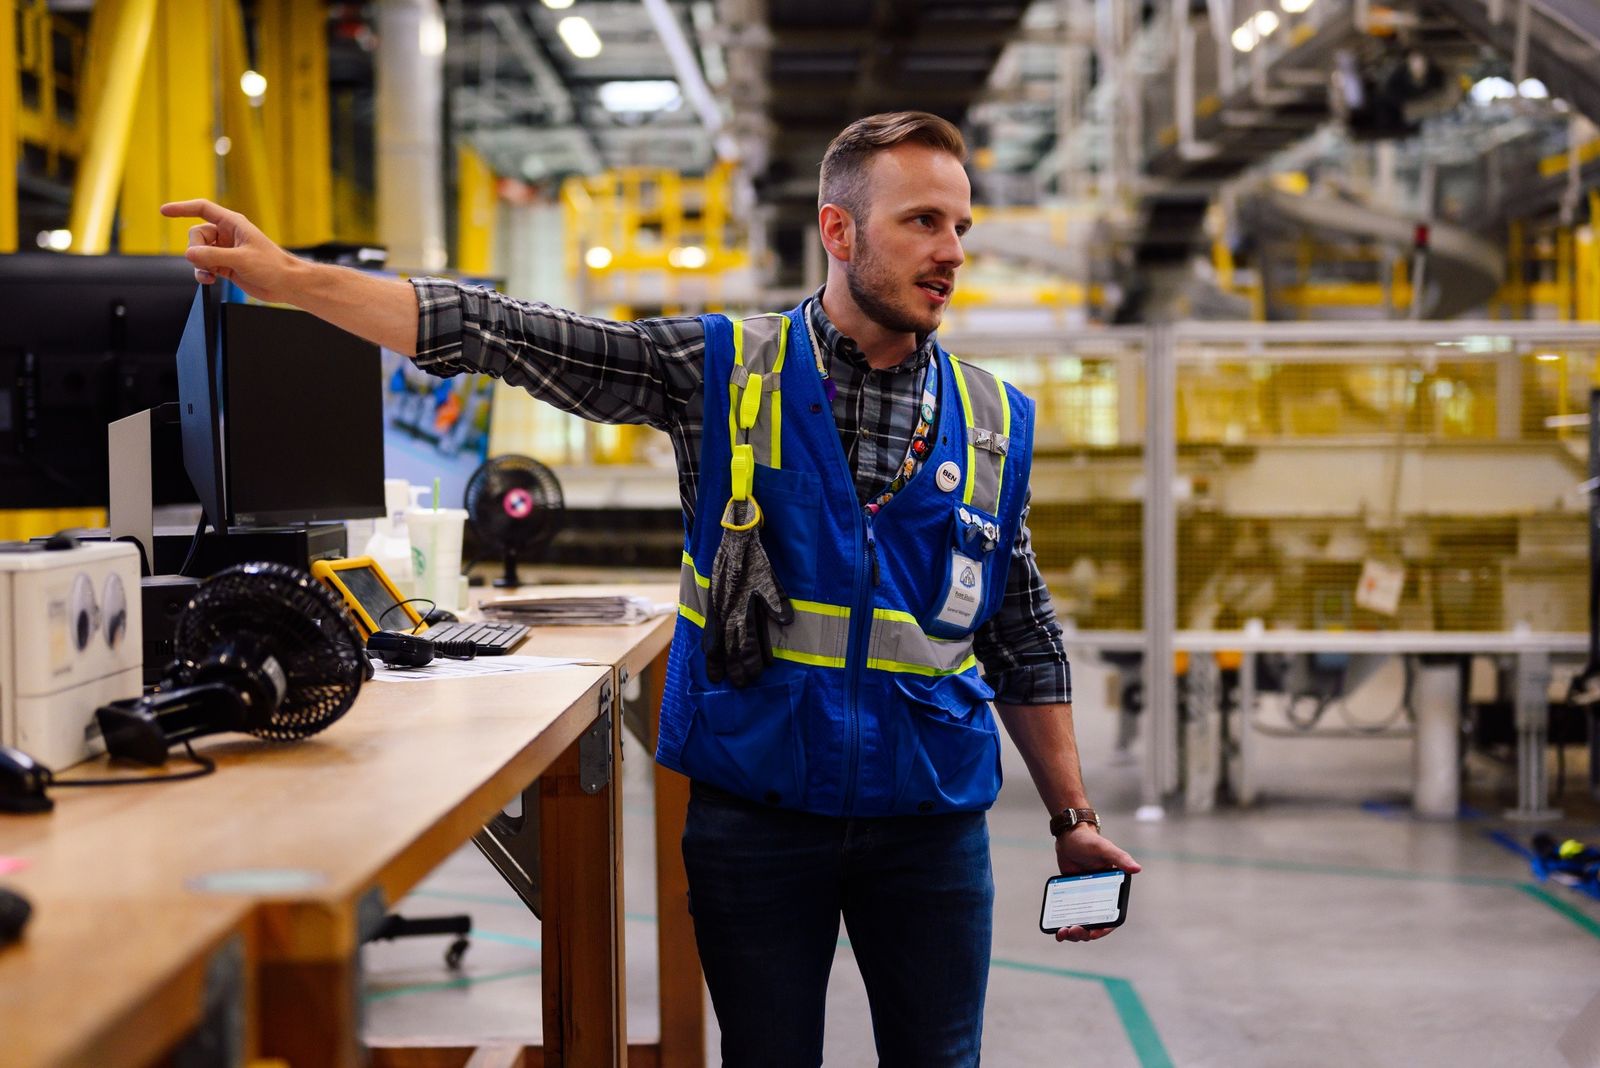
pixel 1088 471
pixel 1369 483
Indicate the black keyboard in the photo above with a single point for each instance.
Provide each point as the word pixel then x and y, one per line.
pixel 488 639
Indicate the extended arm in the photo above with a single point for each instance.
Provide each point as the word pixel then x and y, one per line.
pixel 227 245
pixel 649 371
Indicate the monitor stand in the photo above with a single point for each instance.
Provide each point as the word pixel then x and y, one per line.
pixel 132 515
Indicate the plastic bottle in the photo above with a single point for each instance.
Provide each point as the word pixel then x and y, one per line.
pixel 390 544
pixel 436 550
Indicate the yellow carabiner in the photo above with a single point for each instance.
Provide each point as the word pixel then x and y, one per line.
pixel 755 519
pixel 750 402
pixel 744 471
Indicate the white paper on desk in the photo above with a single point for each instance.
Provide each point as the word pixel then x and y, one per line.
pixel 475 668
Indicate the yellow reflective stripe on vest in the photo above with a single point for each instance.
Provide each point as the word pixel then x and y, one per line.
pixel 692 597
pixel 966 419
pixel 819 635
pixel 986 410
pixel 898 643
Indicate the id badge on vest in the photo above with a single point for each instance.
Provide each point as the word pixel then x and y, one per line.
pixel 961 602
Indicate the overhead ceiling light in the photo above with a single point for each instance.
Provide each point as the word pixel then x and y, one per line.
pixel 431 35
pixel 1491 89
pixel 55 240
pixel 598 258
pixel 1265 22
pixel 579 36
pixel 1295 7
pixel 253 83
pixel 687 257
pixel 1532 89
pixel 1548 357
pixel 640 96
pixel 1245 37
pixel 558 5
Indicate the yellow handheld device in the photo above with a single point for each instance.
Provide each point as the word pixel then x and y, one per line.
pixel 372 599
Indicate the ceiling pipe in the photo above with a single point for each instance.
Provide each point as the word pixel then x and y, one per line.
pixel 690 77
pixel 548 84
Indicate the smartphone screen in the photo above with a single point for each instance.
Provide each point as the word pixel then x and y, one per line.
pixel 1091 899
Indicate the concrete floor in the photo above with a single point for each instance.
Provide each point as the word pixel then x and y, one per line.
pixel 1325 926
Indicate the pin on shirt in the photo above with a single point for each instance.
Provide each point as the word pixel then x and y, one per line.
pixel 949 476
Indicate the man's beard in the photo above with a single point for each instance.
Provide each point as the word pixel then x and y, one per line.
pixel 871 281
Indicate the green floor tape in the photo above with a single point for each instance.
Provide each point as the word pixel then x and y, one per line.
pixel 448 984
pixel 1136 1022
pixel 1566 908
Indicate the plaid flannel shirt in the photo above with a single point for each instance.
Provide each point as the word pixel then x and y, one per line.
pixel 651 372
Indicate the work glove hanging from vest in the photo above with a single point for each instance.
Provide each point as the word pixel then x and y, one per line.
pixel 743 596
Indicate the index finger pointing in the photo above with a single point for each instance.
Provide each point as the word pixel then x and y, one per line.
pixel 204 209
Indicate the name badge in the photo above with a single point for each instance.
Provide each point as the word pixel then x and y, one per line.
pixel 964 595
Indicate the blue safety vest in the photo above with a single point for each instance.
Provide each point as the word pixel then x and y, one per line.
pixel 873 704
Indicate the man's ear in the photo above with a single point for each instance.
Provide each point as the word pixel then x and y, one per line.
pixel 838 231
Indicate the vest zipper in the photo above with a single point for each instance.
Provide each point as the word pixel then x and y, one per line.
pixel 860 620
pixel 872 551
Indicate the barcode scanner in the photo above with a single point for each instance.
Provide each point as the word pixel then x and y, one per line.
pixel 398 650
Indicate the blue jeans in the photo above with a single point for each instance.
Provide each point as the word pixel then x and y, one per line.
pixel 767 887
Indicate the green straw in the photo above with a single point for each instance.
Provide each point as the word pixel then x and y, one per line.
pixel 436 493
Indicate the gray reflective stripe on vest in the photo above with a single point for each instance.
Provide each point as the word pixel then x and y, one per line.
pixel 760 346
pixel 693 596
pixel 899 644
pixel 819 635
pixel 987 410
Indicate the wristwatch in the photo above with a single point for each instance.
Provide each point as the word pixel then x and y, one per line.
pixel 1068 818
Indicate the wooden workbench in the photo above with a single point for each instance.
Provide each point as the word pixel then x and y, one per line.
pixel 282 862
pixel 314 840
pixel 636 652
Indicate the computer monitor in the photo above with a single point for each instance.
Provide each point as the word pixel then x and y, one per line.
pixel 281 416
pixel 86 340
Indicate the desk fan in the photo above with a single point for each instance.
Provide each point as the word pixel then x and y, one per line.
pixel 515 507
pixel 260 648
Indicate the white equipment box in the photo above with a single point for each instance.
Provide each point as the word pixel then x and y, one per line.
pixel 71 640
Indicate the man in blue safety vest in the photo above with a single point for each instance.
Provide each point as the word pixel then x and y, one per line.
pixel 854 505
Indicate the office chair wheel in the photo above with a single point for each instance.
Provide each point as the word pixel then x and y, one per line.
pixel 453 955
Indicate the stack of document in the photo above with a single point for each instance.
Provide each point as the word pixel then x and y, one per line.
pixel 574 611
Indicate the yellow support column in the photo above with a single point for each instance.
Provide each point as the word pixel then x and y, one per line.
pixel 292 54
pixel 129 24
pixel 249 181
pixel 10 103
pixel 176 158
pixel 476 204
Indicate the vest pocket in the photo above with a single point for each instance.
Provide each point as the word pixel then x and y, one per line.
pixel 747 741
pixel 953 759
pixel 965 576
pixel 790 502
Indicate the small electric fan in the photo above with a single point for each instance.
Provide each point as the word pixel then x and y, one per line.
pixel 263 649
pixel 515 508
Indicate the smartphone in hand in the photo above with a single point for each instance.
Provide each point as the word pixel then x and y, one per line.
pixel 1091 900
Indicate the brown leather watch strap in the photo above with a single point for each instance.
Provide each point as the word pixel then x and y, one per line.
pixel 1069 818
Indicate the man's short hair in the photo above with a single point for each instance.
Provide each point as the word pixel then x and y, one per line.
pixel 845 164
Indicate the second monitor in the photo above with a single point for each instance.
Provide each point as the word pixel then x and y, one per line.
pixel 282 416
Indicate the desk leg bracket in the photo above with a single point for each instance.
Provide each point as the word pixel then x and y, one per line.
pixel 511 843
pixel 594 748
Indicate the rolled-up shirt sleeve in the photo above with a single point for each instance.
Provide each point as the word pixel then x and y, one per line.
pixel 1024 660
pixel 648 371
